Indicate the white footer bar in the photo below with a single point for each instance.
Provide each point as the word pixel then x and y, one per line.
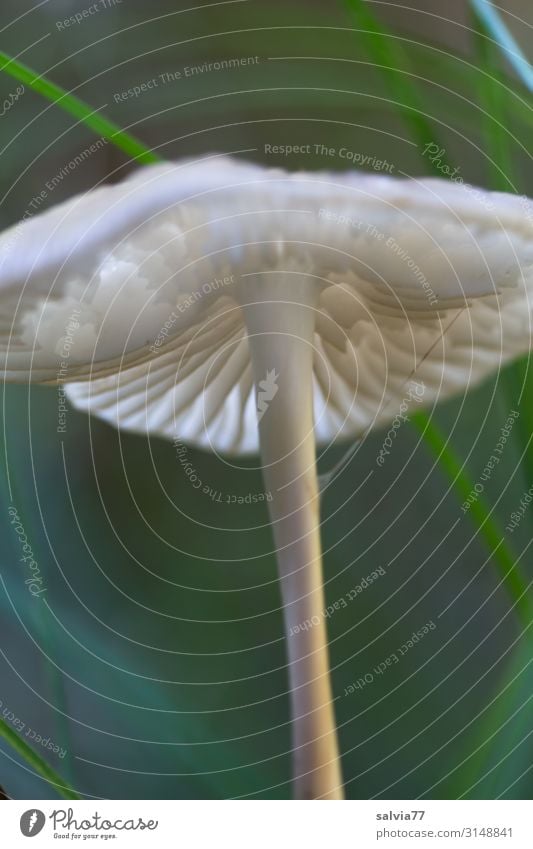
pixel 268 824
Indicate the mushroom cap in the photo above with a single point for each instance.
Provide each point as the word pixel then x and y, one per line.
pixel 132 293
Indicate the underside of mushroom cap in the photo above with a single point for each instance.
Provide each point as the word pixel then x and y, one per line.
pixel 139 287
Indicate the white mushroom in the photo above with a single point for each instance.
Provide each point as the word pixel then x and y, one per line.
pixel 192 283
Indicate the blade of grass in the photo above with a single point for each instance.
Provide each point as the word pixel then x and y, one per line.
pixel 36 762
pixel 459 75
pixel 142 154
pixel 78 109
pixel 495 25
pixel 516 379
pixel 488 770
pixel 491 94
pixel 503 558
pixel 392 61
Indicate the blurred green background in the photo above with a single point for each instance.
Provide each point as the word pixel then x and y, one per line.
pixel 158 662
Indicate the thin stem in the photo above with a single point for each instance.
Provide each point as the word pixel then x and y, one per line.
pixel 280 319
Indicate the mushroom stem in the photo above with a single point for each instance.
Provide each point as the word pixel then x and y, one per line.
pixel 280 316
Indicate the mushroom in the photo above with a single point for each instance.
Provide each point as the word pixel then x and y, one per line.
pixel 164 300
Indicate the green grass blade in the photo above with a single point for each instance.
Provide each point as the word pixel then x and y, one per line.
pixel 78 109
pixel 517 380
pixel 494 24
pixel 392 61
pixel 36 762
pixel 492 97
pixel 502 556
pixel 461 75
